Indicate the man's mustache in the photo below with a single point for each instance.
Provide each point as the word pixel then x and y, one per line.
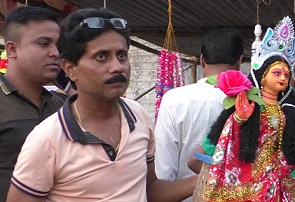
pixel 117 78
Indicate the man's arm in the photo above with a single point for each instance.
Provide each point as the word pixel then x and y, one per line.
pixel 164 191
pixel 195 164
pixel 15 195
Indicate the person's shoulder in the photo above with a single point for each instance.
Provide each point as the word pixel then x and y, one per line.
pixel 195 91
pixel 135 109
pixel 50 129
pixel 49 124
pixel 190 87
pixel 178 91
pixel 133 105
pixel 50 120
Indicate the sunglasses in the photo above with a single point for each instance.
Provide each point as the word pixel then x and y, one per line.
pixel 99 23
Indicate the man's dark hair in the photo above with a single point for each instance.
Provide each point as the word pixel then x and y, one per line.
pixel 21 16
pixel 74 38
pixel 222 46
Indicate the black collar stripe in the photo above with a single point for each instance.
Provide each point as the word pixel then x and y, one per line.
pixel 132 116
pixel 131 119
pixel 64 124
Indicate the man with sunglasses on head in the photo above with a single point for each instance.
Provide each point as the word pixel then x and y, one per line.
pixel 98 146
pixel 30 35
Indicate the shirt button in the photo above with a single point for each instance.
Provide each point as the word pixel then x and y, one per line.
pixel 111 153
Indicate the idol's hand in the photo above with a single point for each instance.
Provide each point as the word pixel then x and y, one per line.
pixel 243 109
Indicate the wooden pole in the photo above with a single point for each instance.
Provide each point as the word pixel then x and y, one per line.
pixel 194 70
pixel 201 184
pixel 194 73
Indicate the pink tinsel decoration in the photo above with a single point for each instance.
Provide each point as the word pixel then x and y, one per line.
pixel 169 75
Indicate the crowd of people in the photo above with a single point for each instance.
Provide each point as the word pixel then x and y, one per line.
pixel 87 143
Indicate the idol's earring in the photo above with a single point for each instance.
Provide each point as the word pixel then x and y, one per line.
pixel 283 94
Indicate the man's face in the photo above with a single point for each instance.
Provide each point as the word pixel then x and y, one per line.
pixel 103 70
pixel 37 55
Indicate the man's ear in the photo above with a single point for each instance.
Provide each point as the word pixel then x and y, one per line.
pixel 202 61
pixel 239 62
pixel 69 69
pixel 11 47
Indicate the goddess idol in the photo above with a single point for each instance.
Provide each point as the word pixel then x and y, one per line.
pixel 253 144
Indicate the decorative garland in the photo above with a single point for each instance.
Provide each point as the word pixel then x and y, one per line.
pixel 170 71
pixel 3 62
pixel 169 75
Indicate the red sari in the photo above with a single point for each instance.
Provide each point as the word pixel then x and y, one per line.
pixel 267 179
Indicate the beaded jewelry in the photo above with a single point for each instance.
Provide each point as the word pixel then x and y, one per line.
pixel 275 121
pixel 272 147
pixel 273 114
pixel 169 75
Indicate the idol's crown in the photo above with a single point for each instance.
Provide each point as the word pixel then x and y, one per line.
pixel 279 41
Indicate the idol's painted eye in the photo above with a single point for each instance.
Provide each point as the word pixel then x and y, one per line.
pixel 277 73
pixel 287 75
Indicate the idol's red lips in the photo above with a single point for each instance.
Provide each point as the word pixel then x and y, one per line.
pixel 282 83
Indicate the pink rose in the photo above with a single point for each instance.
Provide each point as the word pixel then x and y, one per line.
pixel 232 82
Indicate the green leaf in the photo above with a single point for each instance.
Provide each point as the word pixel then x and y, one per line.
pixel 228 102
pixel 212 80
pixel 253 91
pixel 256 99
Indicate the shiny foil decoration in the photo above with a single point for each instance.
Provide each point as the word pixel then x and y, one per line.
pixel 169 75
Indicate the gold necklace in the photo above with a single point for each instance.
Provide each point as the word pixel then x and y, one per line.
pixel 116 150
pixel 275 120
pixel 274 114
pixel 77 113
pixel 79 120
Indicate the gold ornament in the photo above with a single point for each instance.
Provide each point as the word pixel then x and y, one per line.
pixel 275 120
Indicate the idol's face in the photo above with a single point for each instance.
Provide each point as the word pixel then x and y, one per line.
pixel 277 78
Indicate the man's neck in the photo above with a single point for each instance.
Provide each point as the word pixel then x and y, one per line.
pixel 106 108
pixel 26 88
pixel 216 69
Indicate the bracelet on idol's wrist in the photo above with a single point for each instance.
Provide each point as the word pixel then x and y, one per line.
pixel 238 119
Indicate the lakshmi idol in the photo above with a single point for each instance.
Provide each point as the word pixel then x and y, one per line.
pixel 253 144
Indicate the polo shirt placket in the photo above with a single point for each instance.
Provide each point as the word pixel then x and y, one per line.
pixel 74 133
